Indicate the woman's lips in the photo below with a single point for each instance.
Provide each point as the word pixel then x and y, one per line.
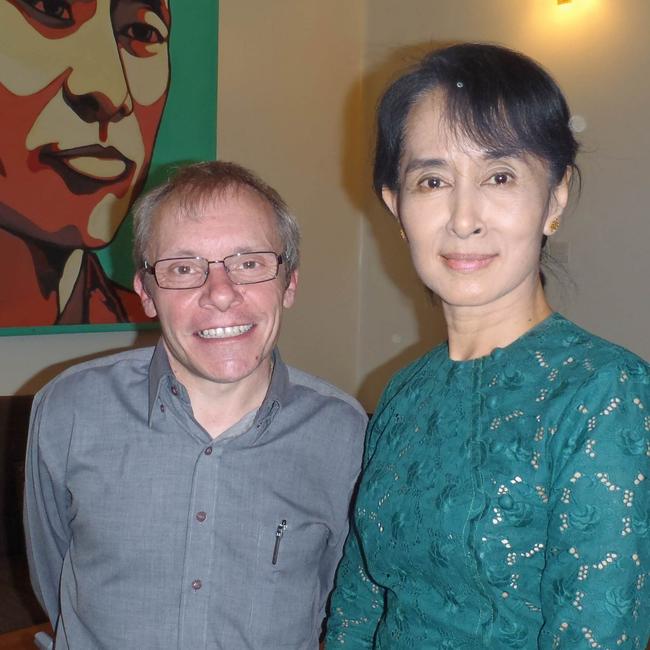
pixel 89 168
pixel 467 262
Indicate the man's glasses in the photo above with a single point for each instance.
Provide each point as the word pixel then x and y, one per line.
pixel 192 272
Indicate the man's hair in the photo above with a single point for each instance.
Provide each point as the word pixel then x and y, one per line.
pixel 497 98
pixel 195 185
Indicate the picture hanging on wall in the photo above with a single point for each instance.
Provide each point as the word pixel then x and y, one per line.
pixel 100 99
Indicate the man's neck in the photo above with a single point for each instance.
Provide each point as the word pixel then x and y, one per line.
pixel 218 406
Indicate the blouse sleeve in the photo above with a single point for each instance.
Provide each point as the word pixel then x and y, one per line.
pixel 357 602
pixel 594 590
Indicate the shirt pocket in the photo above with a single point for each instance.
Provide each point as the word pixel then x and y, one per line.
pixel 286 606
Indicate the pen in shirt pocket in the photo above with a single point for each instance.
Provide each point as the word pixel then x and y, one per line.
pixel 279 532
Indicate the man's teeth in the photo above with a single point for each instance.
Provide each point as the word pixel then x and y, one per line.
pixel 224 332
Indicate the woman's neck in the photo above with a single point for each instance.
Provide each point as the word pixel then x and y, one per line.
pixel 32 281
pixel 475 332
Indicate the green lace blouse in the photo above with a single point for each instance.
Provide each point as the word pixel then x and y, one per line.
pixel 504 503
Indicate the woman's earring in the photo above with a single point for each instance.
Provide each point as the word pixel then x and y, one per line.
pixel 402 234
pixel 555 224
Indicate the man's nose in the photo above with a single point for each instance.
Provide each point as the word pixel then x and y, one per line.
pixel 96 87
pixel 219 291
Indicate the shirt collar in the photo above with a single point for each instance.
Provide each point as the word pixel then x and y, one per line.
pixel 160 371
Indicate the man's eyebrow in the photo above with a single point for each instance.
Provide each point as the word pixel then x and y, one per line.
pixel 424 163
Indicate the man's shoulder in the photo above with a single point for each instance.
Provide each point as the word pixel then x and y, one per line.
pixel 125 364
pixel 322 390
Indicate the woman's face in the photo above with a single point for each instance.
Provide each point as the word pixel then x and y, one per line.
pixel 83 84
pixel 474 221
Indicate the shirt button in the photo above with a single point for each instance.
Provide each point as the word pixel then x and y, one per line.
pixel 175 390
pixel 201 516
pixel 208 451
pixel 196 585
pixel 162 408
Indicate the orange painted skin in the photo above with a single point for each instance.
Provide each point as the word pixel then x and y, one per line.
pixel 84 90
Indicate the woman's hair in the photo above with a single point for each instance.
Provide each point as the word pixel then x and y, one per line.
pixel 193 186
pixel 498 99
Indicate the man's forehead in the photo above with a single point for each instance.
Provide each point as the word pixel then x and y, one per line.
pixel 208 205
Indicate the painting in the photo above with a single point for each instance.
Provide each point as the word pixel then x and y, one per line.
pixel 99 99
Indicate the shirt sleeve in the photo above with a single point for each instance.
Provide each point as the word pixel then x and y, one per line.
pixel 334 549
pixel 45 505
pixel 357 602
pixel 594 589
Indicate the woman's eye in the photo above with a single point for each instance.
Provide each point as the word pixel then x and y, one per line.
pixel 501 178
pixel 432 183
pixel 56 11
pixel 143 33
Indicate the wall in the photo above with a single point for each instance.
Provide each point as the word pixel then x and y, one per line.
pixel 298 82
pixel 598 51
pixel 289 107
pixel 287 103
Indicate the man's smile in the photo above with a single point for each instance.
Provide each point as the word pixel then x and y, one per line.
pixel 225 332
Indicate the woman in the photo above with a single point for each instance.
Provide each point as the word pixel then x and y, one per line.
pixel 83 85
pixel 503 502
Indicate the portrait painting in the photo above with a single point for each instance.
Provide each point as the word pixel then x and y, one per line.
pixel 99 99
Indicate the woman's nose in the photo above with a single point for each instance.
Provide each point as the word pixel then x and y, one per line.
pixel 465 213
pixel 96 87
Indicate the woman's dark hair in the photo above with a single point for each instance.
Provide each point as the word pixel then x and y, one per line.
pixel 499 99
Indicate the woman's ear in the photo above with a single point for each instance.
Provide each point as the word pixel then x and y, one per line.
pixel 391 200
pixel 557 203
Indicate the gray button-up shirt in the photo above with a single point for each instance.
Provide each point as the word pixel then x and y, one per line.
pixel 145 533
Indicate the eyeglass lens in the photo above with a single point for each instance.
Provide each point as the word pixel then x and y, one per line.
pixel 191 272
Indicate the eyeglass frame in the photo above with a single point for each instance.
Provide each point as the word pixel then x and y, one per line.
pixel 151 268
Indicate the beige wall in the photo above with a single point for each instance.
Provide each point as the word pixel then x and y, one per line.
pixel 288 101
pixel 298 80
pixel 599 52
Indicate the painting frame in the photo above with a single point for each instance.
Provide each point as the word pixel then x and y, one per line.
pixel 187 133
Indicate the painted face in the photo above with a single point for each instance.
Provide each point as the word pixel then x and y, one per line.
pixel 82 84
pixel 220 332
pixel 474 221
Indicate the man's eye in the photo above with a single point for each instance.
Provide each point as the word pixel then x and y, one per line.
pixel 58 11
pixel 249 265
pixel 143 33
pixel 182 269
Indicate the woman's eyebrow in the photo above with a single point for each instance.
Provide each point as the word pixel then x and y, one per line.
pixel 159 7
pixel 424 163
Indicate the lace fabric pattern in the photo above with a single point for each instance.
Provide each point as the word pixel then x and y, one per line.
pixel 504 503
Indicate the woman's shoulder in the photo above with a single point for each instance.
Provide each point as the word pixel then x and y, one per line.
pixel 572 345
pixel 423 370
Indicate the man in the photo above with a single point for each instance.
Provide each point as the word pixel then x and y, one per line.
pixel 83 85
pixel 195 495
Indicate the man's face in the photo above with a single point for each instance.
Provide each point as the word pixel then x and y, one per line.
pixel 220 332
pixel 82 85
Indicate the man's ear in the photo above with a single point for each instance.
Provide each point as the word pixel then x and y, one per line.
pixel 140 287
pixel 557 203
pixel 391 200
pixel 290 292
